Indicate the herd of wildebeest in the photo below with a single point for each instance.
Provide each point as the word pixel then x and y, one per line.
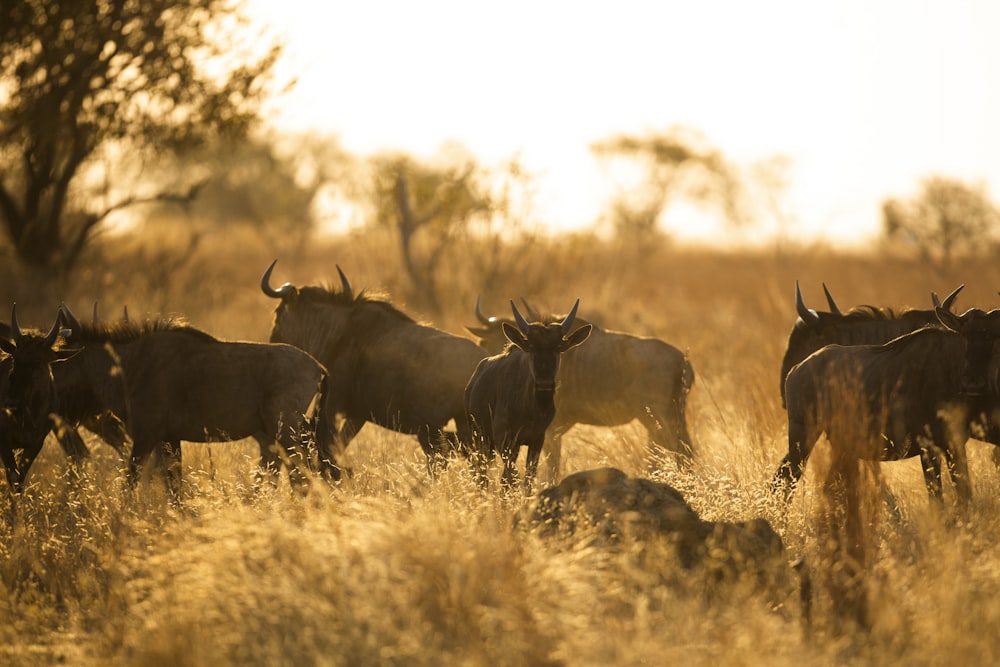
pixel 890 384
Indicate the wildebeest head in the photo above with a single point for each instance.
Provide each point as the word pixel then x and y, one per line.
pixel 29 387
pixel 490 334
pixel 981 365
pixel 293 318
pixel 544 343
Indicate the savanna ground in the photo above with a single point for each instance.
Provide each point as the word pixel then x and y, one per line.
pixel 390 567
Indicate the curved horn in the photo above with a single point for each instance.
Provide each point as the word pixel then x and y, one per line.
pixel 345 284
pixel 829 299
pixel 532 313
pixel 568 320
pixel 949 300
pixel 15 329
pixel 521 323
pixel 265 285
pixel 50 337
pixel 479 313
pixel 94 317
pixel 935 300
pixel 70 317
pixel 808 316
pixel 126 313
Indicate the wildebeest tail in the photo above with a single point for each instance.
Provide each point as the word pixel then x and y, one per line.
pixel 687 375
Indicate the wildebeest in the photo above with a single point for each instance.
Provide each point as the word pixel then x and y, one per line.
pixel 384 367
pixel 510 399
pixel 170 382
pixel 911 395
pixel 861 325
pixel 612 380
pixel 27 395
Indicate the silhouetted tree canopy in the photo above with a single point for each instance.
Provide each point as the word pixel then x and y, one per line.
pixel 677 163
pixel 78 78
pixel 946 218
pixel 269 184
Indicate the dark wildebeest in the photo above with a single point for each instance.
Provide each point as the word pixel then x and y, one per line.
pixel 27 395
pixel 170 382
pixel 510 398
pixel 384 367
pixel 612 380
pixel 893 401
pixel 861 325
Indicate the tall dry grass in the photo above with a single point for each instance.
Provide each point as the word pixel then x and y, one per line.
pixel 390 567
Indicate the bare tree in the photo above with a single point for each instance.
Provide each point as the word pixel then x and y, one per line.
pixel 437 207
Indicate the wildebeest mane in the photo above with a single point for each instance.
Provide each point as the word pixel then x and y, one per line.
pixel 326 294
pixel 867 312
pixel 126 332
pixel 861 314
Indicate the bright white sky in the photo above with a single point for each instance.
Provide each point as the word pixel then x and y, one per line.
pixel 866 97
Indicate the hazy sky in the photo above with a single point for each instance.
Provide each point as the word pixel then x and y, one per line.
pixel 865 97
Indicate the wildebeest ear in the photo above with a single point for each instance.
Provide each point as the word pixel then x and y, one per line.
pixel 514 335
pixel 577 337
pixel 948 319
pixel 7 346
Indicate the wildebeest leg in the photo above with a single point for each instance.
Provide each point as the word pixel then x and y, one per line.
pixel 173 466
pixel 431 443
pixel 108 428
pixel 508 456
pixel 480 451
pixel 10 466
pixel 800 443
pixel 325 435
pixel 142 448
pixel 22 464
pixel 70 441
pixel 553 451
pixel 955 425
pixel 269 466
pixel 991 434
pixel 930 462
pixel 531 464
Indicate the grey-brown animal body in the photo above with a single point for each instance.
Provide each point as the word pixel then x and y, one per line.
pixel 510 399
pixel 169 382
pixel 384 367
pixel 612 380
pixel 892 401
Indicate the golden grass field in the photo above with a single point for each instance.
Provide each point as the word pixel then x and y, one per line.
pixel 390 567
